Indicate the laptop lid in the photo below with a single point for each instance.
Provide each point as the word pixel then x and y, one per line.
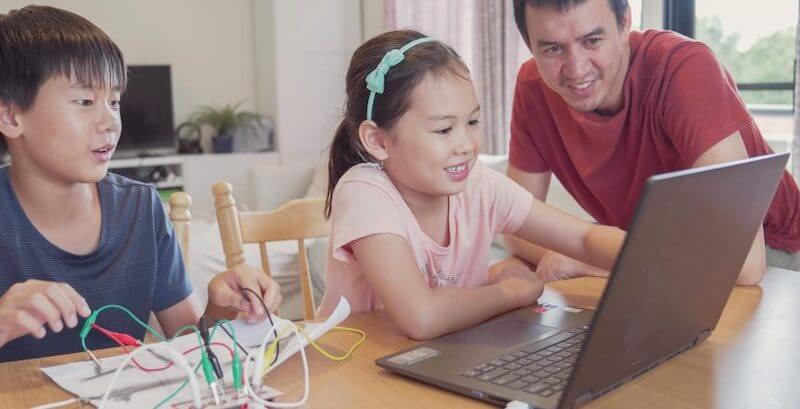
pixel 689 239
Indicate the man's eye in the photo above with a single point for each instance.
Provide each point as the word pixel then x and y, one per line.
pixel 593 42
pixel 553 50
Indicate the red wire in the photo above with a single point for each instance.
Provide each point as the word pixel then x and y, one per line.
pixel 112 336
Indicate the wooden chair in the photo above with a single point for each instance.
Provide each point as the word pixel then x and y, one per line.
pixel 179 203
pixel 179 215
pixel 296 220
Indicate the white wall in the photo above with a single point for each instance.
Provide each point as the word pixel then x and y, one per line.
pixel 209 44
pixel 306 50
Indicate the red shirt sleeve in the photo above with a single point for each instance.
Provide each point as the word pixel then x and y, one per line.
pixel 701 103
pixel 522 152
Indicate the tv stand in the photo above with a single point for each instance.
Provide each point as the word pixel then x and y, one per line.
pixel 194 173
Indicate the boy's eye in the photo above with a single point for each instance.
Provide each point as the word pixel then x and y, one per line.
pixel 474 122
pixel 115 104
pixel 444 131
pixel 84 102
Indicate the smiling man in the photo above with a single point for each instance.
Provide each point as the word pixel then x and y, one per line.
pixel 604 108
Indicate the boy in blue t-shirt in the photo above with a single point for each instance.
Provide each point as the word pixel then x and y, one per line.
pixel 73 237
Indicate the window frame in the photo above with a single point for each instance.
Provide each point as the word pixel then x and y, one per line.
pixel 679 16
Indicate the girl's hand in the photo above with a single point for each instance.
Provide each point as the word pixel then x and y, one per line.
pixel 521 283
pixel 554 266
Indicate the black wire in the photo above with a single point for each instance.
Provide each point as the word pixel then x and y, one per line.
pixel 269 317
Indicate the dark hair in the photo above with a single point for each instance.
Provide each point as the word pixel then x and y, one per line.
pixel 40 42
pixel 427 58
pixel 617 6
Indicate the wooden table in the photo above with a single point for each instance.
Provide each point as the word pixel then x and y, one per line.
pixel 752 360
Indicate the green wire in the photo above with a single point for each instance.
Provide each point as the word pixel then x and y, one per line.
pixel 210 337
pixel 87 326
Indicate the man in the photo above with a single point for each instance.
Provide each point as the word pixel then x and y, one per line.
pixel 604 108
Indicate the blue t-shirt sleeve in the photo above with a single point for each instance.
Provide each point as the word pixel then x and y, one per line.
pixel 172 282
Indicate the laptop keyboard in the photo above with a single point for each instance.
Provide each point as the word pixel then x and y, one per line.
pixel 535 369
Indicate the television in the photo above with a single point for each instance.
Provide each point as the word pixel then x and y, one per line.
pixel 148 126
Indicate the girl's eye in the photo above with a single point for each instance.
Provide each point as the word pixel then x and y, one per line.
pixel 444 131
pixel 474 122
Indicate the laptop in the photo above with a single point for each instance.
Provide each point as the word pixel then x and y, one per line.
pixel 688 241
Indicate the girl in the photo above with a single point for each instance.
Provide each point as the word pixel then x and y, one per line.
pixel 413 212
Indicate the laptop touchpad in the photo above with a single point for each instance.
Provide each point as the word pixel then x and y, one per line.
pixel 502 333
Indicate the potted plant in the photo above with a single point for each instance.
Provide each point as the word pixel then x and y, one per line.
pixel 223 121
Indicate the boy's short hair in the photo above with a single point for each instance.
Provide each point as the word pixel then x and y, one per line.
pixel 40 42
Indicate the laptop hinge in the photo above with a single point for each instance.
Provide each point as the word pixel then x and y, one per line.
pixel 583 399
pixel 702 336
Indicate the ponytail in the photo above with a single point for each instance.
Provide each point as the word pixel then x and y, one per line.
pixel 345 153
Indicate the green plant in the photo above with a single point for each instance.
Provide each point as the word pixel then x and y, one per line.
pixel 222 120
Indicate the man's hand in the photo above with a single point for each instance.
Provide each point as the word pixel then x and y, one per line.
pixel 225 290
pixel 524 285
pixel 26 307
pixel 554 266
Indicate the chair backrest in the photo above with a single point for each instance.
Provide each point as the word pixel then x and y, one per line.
pixel 179 203
pixel 298 219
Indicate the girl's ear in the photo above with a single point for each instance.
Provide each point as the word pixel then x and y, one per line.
pixel 372 138
pixel 9 124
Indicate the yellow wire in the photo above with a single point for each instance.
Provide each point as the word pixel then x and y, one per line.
pixel 270 352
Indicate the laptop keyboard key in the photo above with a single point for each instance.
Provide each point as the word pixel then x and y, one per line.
pixel 507 378
pixel 517 385
pixel 470 373
pixel 537 387
pixel 532 378
pixel 512 366
pixel 523 372
pixel 494 373
pixel 546 393
pixel 524 361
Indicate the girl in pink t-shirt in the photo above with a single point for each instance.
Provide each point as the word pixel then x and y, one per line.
pixel 413 213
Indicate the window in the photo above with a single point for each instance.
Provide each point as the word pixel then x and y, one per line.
pixel 756 43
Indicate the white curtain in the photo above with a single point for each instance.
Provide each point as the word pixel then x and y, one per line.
pixel 796 139
pixel 483 32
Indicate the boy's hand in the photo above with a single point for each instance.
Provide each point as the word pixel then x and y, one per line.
pixel 524 285
pixel 26 307
pixel 225 290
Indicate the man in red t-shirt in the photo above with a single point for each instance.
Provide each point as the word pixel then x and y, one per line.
pixel 604 108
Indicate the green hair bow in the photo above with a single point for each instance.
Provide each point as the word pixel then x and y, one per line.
pixel 376 78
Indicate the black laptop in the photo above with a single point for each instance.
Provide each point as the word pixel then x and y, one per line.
pixel 688 241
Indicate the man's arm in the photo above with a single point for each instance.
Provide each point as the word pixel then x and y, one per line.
pixel 728 150
pixel 549 264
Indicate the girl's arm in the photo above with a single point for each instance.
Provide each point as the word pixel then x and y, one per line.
pixel 422 312
pixel 551 228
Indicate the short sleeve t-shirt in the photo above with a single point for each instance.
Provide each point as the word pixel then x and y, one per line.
pixel 679 101
pixel 137 264
pixel 366 202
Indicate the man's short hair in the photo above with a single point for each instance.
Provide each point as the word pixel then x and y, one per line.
pixel 617 6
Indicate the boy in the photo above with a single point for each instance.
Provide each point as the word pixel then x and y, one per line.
pixel 73 237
